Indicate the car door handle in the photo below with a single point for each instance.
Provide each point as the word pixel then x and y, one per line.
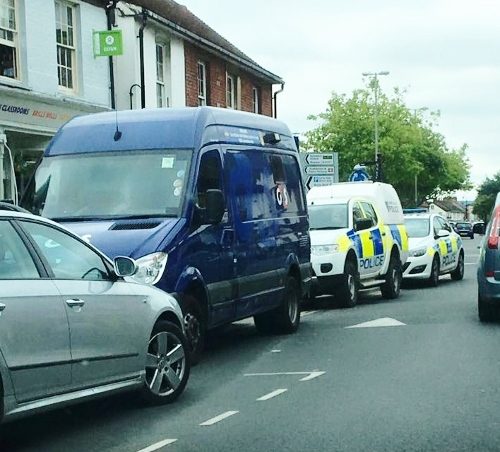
pixel 75 302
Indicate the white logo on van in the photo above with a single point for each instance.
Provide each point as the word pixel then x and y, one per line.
pixel 281 195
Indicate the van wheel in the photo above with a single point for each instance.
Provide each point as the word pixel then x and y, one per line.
pixel 392 286
pixel 195 326
pixel 347 291
pixel 433 280
pixel 285 318
pixel 458 273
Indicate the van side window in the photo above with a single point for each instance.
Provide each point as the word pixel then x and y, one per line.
pixel 209 176
pixel 357 213
pixel 293 187
pixel 370 212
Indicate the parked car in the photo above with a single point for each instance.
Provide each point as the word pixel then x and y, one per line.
pixel 464 229
pixel 435 249
pixel 209 201
pixel 71 327
pixel 488 271
pixel 479 227
pixel 358 239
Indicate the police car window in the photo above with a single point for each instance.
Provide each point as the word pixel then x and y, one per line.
pixel 357 213
pixel 417 227
pixel 370 212
pixel 445 225
pixel 436 225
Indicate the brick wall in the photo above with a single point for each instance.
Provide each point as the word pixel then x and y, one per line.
pixel 216 82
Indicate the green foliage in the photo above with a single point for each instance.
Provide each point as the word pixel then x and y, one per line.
pixel 486 196
pixel 408 144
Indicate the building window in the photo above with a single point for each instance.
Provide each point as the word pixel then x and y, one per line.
pixel 8 39
pixel 161 98
pixel 230 91
pixel 66 46
pixel 202 83
pixel 255 100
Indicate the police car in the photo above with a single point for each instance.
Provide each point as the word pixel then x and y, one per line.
pixel 358 239
pixel 435 249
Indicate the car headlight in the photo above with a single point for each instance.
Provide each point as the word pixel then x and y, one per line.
pixel 418 252
pixel 150 268
pixel 321 250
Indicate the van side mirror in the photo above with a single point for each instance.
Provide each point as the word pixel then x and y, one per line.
pixel 365 223
pixel 214 207
pixel 125 266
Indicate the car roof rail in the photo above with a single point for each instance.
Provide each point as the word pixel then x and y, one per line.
pixel 11 207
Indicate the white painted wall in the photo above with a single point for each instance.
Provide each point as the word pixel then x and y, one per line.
pixel 177 73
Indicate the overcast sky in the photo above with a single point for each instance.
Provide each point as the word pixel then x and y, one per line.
pixel 445 52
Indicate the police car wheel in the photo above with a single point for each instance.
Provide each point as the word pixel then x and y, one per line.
pixel 458 273
pixel 347 291
pixel 392 286
pixel 434 276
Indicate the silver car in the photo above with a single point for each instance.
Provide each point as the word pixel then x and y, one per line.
pixel 72 328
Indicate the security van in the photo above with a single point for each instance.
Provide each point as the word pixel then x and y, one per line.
pixel 208 201
pixel 358 239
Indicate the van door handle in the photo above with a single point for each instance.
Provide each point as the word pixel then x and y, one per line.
pixel 75 303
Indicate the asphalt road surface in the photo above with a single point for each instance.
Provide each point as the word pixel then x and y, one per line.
pixel 425 376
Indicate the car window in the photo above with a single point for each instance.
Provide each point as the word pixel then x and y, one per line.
pixel 357 213
pixel 436 225
pixel 446 225
pixel 442 224
pixel 15 259
pixel 369 212
pixel 68 258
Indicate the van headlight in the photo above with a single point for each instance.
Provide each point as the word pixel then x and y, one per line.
pixel 321 250
pixel 419 252
pixel 150 268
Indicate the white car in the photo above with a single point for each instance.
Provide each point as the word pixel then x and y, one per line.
pixel 435 249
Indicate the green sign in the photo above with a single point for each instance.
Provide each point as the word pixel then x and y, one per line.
pixel 108 43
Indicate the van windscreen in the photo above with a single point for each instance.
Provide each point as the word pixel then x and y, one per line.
pixel 112 185
pixel 331 216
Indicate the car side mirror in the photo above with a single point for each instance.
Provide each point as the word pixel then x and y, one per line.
pixel 125 266
pixel 442 233
pixel 214 206
pixel 365 223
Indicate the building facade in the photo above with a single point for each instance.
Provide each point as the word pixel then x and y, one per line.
pixel 49 74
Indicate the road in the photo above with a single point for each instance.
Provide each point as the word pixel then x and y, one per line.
pixel 429 383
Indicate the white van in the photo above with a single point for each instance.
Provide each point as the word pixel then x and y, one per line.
pixel 358 239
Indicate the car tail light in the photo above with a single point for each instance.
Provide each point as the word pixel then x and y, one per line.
pixel 493 238
pixel 489 274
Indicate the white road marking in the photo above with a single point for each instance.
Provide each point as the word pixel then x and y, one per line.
pixel 158 445
pixel 275 351
pixel 272 394
pixel 308 375
pixel 313 375
pixel 219 418
pixel 385 321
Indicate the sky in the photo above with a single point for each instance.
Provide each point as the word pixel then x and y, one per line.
pixel 445 53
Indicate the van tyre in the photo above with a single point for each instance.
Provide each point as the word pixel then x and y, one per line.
pixel 348 288
pixel 286 318
pixel 433 280
pixel 458 273
pixel 167 364
pixel 392 286
pixel 195 326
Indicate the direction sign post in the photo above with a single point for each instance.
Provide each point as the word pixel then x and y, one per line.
pixel 319 169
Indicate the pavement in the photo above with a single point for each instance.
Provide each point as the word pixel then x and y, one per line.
pixel 423 374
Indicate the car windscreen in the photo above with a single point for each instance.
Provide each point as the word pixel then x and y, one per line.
pixel 331 216
pixel 112 185
pixel 417 227
pixel 464 225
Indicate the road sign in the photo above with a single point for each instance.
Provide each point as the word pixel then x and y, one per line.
pixel 108 43
pixel 319 181
pixel 319 159
pixel 319 170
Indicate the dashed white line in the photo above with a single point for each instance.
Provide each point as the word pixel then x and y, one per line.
pixel 158 445
pixel 272 394
pixel 219 418
pixel 309 375
pixel 312 375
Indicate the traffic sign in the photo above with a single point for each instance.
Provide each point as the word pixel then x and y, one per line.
pixel 319 170
pixel 319 181
pixel 319 159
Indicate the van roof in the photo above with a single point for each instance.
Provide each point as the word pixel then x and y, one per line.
pixel 161 128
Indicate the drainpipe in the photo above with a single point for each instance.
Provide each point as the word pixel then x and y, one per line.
pixel 275 100
pixel 110 15
pixel 144 16
pixel 131 93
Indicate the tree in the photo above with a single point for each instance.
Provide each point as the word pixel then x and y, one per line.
pixel 409 146
pixel 486 196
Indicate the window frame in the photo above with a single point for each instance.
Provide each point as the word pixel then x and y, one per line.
pixel 256 100
pixel 70 49
pixel 13 44
pixel 230 93
pixel 202 83
pixel 161 90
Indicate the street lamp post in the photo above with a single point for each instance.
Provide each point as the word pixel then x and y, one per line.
pixel 374 83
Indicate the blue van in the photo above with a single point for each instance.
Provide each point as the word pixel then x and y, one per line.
pixel 208 201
